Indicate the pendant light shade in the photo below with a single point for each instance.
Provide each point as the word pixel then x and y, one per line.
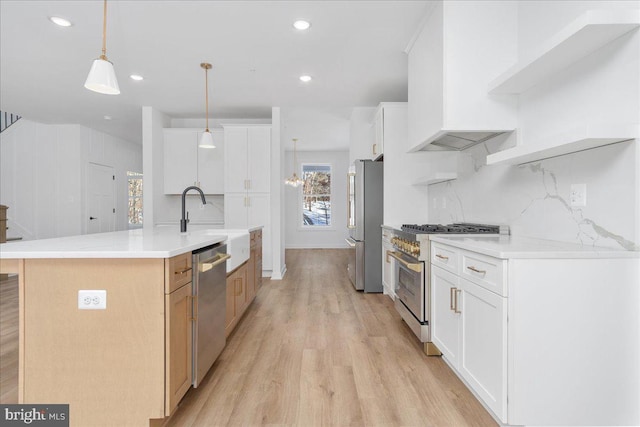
pixel 102 76
pixel 294 180
pixel 206 139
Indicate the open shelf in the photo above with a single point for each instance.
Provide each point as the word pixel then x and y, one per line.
pixel 572 141
pixel 436 178
pixel 591 31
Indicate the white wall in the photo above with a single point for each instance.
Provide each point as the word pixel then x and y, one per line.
pixel 334 236
pixel 602 88
pixel 43 176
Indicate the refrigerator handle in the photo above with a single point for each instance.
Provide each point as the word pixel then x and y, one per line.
pixel 349 226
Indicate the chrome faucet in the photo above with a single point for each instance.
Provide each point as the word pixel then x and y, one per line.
pixel 184 221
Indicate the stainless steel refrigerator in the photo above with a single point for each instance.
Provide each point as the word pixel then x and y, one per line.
pixel 364 218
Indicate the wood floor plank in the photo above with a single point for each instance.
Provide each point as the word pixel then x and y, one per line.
pixel 9 340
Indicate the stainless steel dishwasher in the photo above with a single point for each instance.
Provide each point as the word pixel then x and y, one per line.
pixel 209 307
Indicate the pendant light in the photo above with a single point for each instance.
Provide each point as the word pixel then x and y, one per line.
pixel 206 139
pixel 294 180
pixel 102 76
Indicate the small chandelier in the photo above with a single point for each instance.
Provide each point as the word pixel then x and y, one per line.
pixel 206 139
pixel 102 76
pixel 294 180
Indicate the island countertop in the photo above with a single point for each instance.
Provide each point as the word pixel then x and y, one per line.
pixel 160 242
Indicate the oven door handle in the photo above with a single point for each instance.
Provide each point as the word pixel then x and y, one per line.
pixel 417 267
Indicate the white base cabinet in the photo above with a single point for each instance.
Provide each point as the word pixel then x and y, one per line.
pixel 469 328
pixel 548 341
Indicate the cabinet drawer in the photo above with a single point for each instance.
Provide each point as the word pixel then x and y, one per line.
pixel 445 257
pixel 486 271
pixel 177 272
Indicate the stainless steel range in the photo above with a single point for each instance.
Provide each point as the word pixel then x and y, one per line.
pixel 413 271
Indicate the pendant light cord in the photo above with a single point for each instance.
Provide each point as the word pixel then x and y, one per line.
pixel 104 32
pixel 206 95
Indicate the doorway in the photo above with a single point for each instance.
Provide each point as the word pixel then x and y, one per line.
pixel 101 211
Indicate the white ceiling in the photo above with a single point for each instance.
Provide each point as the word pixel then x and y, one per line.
pixel 354 50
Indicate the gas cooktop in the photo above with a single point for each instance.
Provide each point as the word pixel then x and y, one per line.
pixel 457 228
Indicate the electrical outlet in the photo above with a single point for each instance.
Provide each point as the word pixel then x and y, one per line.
pixel 92 299
pixel 578 196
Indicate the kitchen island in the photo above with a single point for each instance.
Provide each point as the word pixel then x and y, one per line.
pixel 127 364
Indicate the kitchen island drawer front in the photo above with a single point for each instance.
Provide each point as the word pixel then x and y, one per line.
pixel 445 257
pixel 486 271
pixel 178 271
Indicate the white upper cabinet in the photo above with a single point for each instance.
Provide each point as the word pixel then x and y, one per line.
pixel 362 133
pixel 461 47
pixel 186 164
pixel 247 159
pixel 378 145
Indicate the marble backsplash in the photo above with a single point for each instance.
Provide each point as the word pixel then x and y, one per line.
pixel 534 199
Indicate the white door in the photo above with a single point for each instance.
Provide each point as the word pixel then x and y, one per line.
pixel 180 159
pixel 235 159
pixel 259 159
pixel 483 357
pixel 100 199
pixel 445 321
pixel 235 210
pixel 211 165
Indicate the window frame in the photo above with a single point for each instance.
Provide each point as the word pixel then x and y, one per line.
pixel 134 175
pixel 301 225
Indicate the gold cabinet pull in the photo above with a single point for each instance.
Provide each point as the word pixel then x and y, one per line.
pixel 457 292
pixel 183 271
pixel 194 305
pixel 446 258
pixel 452 291
pixel 472 268
pixel 374 149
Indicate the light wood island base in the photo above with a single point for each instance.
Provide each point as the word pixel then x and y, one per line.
pixel 117 366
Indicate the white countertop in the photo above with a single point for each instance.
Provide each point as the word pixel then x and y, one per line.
pixel 161 242
pixel 506 247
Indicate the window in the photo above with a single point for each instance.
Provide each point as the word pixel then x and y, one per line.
pixel 316 195
pixel 134 180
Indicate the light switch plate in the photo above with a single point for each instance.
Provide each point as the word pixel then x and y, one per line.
pixel 92 299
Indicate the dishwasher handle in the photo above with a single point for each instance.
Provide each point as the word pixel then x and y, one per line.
pixel 208 264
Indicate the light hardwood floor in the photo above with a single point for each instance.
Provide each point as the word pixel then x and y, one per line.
pixel 9 340
pixel 310 350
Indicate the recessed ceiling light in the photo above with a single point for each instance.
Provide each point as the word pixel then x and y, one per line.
pixel 136 77
pixel 60 21
pixel 305 78
pixel 301 25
